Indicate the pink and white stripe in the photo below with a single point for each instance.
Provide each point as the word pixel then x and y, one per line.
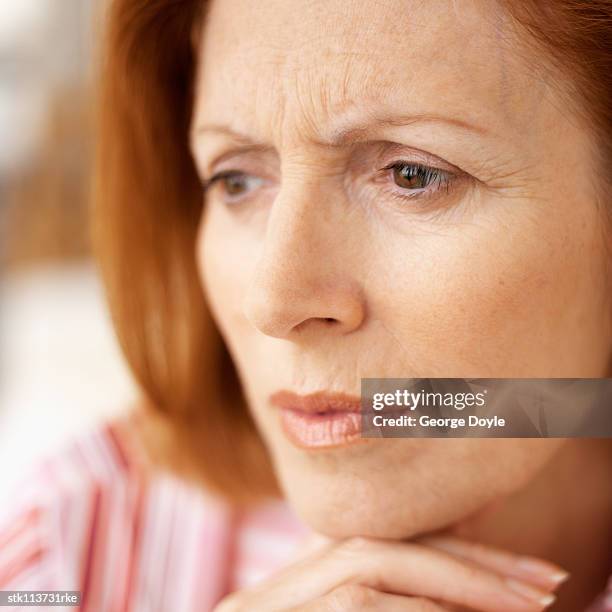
pixel 91 519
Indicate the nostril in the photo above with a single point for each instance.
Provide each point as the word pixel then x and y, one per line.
pixel 329 320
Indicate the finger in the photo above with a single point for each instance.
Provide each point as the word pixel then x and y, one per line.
pixel 414 569
pixel 312 543
pixel 394 567
pixel 529 569
pixel 358 598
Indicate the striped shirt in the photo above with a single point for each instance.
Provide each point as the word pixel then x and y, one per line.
pixel 91 519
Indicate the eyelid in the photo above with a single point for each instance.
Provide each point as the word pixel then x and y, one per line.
pixel 219 176
pixel 407 162
pixel 443 178
pixel 402 153
pixel 235 155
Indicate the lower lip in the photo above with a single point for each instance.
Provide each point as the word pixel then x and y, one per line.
pixel 321 430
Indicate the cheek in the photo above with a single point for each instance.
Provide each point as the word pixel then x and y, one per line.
pixel 499 298
pixel 225 265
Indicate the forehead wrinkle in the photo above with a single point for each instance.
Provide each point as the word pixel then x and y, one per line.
pixel 299 96
pixel 331 95
pixel 294 83
pixel 310 105
pixel 308 98
pixel 295 90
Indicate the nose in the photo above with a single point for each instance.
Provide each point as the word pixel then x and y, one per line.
pixel 304 280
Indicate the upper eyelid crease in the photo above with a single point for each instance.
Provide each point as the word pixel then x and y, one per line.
pixel 443 179
pixel 424 159
pixel 237 151
pixel 242 145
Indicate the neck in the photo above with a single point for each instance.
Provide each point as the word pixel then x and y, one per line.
pixel 563 515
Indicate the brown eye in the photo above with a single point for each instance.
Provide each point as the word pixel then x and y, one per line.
pixel 414 176
pixel 234 183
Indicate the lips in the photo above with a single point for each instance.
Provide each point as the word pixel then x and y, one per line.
pixel 319 420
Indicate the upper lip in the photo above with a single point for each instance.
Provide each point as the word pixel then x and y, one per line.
pixel 319 402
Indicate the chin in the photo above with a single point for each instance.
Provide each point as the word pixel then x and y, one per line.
pixel 343 508
pixel 402 498
pixel 401 489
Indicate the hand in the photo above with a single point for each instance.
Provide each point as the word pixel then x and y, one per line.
pixel 428 575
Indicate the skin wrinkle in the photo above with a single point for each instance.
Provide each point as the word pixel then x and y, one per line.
pixel 499 278
pixel 504 86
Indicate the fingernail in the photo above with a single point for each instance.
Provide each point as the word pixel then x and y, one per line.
pixel 530 593
pixel 541 569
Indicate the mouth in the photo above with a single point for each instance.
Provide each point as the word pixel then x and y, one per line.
pixel 320 420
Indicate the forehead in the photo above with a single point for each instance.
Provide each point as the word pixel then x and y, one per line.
pixel 280 65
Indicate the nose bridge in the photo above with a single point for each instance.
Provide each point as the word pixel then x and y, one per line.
pixel 301 275
pixel 298 247
pixel 303 212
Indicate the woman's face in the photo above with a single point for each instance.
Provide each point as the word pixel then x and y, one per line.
pixel 399 191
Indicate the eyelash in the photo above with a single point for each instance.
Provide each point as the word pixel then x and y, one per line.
pixel 436 179
pixel 221 176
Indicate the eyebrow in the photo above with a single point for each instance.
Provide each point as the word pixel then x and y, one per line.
pixel 357 132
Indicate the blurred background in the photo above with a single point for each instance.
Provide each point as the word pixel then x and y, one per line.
pixel 60 368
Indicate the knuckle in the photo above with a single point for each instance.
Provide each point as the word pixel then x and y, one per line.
pixel 356 544
pixel 364 557
pixel 349 597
